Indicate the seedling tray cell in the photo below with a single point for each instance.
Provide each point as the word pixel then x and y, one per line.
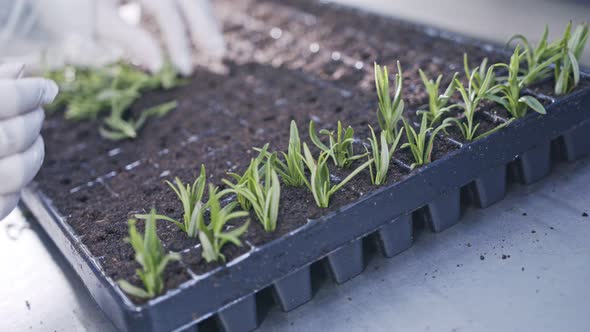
pixel 396 236
pixel 576 142
pixel 489 187
pixel 287 60
pixel 240 316
pixel 535 163
pixel 444 211
pixel 294 290
pixel 347 262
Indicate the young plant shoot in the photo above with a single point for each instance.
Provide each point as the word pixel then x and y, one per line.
pixel 320 185
pixel 212 235
pixel 292 168
pixel 382 154
pixel 191 197
pixel 255 166
pixel 264 197
pixel 508 95
pixel 538 58
pixel 480 87
pixel 437 103
pixel 567 68
pixel 341 148
pixel 564 54
pixel 150 254
pixel 390 110
pixel 422 143
pixel 85 94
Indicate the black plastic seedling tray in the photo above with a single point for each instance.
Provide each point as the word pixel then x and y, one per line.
pixel 522 151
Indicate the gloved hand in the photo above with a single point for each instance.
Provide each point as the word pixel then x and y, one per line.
pixel 92 33
pixel 21 116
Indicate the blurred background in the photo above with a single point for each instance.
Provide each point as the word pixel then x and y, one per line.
pixel 495 20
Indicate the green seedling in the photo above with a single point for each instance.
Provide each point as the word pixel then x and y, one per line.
pixel 191 197
pixel 567 68
pixel 263 197
pixel 422 143
pixel 508 95
pixel 340 148
pixel 319 183
pixel 390 110
pixel 87 94
pixel 437 103
pixel 382 154
pixel 480 87
pixel 117 128
pixel 256 166
pixel 212 236
pixel 537 58
pixel 291 170
pixel 150 254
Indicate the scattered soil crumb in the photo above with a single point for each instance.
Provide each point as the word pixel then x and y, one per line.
pixel 551 227
pixel 469 244
pixel 28 305
pixel 533 231
pixel 349 299
pixel 522 268
pixel 585 214
pixel 482 257
pixel 524 214
pixel 505 256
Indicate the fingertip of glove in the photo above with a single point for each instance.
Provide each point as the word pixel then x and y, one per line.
pixel 12 70
pixel 50 91
pixel 7 203
pixel 184 67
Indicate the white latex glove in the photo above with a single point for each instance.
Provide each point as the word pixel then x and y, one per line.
pixel 92 32
pixel 21 116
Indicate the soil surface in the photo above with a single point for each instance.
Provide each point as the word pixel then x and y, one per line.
pixel 287 60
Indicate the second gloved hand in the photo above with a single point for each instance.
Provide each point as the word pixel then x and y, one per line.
pixel 92 33
pixel 175 18
pixel 21 117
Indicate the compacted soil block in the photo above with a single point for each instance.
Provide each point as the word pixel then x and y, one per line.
pixel 287 60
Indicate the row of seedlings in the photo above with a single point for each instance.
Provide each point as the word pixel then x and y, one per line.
pixel 258 189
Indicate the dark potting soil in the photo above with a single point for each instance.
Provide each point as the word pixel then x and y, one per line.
pixel 287 60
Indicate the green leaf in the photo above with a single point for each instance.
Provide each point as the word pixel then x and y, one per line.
pixel 161 217
pixel 209 252
pixel 155 111
pixel 575 68
pixel 133 290
pixel 533 103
